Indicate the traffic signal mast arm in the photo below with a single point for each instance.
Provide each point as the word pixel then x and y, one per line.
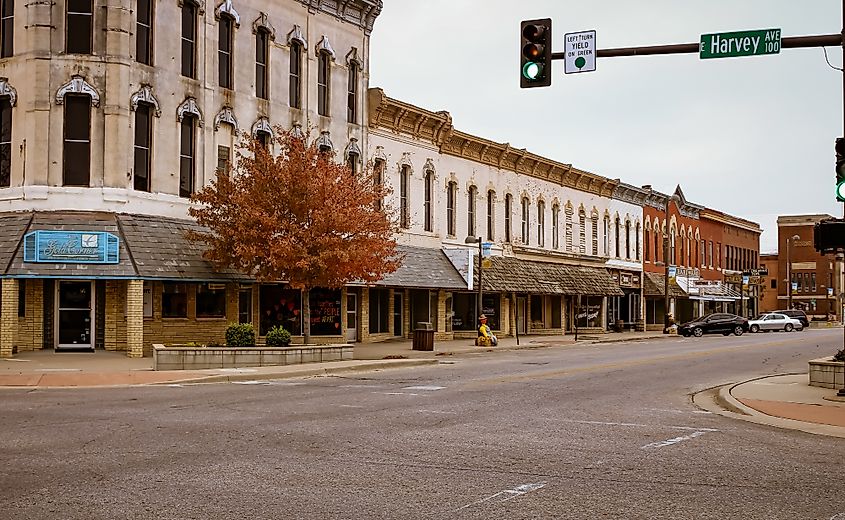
pixel 790 42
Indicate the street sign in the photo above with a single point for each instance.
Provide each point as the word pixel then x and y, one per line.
pixel 580 52
pixel 741 43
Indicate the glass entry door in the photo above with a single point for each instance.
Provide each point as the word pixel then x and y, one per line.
pixel 351 317
pixel 74 315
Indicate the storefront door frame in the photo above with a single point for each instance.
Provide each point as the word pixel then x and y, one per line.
pixel 58 310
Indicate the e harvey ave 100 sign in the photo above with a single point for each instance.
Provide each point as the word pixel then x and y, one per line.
pixel 743 43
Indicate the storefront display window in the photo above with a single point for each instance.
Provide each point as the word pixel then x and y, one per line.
pixel 211 300
pixel 464 306
pixel 280 305
pixel 174 300
pixel 379 311
pixel 325 312
pixel 588 314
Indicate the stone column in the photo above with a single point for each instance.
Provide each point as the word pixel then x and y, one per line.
pixel 113 317
pixel 135 318
pixel 603 321
pixel 8 316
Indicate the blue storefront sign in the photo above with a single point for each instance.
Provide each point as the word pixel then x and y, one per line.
pixel 71 247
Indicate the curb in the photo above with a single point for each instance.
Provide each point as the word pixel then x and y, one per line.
pixel 726 405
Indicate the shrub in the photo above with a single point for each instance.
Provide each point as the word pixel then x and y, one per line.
pixel 240 335
pixel 278 337
pixel 840 356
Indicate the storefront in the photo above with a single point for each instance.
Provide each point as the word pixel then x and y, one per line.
pixel 624 313
pixel 655 300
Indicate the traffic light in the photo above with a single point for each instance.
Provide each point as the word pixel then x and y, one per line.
pixel 829 235
pixel 535 68
pixel 840 169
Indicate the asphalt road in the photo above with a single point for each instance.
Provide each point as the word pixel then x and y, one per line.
pixel 580 432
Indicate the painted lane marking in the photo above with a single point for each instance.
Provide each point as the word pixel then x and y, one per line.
pixel 424 387
pixel 237 370
pixel 266 383
pixel 602 423
pixel 504 496
pixel 174 385
pixel 675 440
pixel 395 393
pixel 437 412
pixel 360 386
pixel 61 370
pixel 350 406
pixel 839 516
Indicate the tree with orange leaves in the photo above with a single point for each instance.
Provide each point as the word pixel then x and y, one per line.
pixel 296 215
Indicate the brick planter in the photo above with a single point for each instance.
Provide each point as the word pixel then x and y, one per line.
pixel 826 373
pixel 197 358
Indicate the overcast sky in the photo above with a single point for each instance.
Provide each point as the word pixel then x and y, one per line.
pixel 749 136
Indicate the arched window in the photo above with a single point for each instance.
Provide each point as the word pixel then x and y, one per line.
pixel 555 226
pixel 405 196
pixel 627 239
pixel 472 195
pixel 225 40
pixel 606 230
pixel 429 194
pixel 672 260
pixel 76 169
pixel 682 237
pixel 541 223
pixel 568 228
pixel 143 146
pixel 647 243
pixel 582 231
pixel 451 200
pixel 352 94
pixel 525 220
pixel 187 152
pixel 637 245
pixel 658 242
pixel 616 236
pixel 508 211
pixel 295 84
pixel 378 178
pixel 323 83
pixel 491 215
pixel 594 231
pixel 189 39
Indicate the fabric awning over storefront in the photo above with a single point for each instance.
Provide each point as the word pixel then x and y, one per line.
pixel 424 268
pixel 145 247
pixel 717 293
pixel 509 274
pixel 653 285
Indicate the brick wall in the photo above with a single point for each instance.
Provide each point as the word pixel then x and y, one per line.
pixel 31 326
pixel 8 316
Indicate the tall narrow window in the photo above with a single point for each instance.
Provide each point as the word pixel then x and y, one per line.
pixel 323 94
pixel 352 162
pixel 647 243
pixel 189 39
pixel 582 232
pixel 143 147
pixel 7 28
pixel 187 163
pixel 451 199
pixel 471 197
pixel 508 211
pixel 606 229
pixel 616 235
pixel 5 142
pixel 77 141
pixel 429 193
pixel 144 33
pixel 555 226
pixel 541 223
pixel 404 196
pixel 224 50
pixel 262 51
pixel 263 137
pixel 378 178
pixel 637 243
pixel 525 221
pixel 352 95
pixel 224 161
pixel 79 26
pixel 594 224
pixel 568 228
pixel 491 215
pixel 627 239
pixel 295 75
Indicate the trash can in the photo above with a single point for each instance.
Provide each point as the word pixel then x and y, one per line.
pixel 423 336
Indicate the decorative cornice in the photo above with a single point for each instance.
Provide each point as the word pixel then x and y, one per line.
pixel 361 13
pixel 262 23
pixel 296 130
pixel 324 46
pixel 379 155
pixel 8 90
pixel 228 8
pixel 295 35
pixel 730 220
pixel 324 141
pixel 144 95
pixel 226 115
pixel 352 148
pixel 78 85
pixel 352 59
pixel 189 106
pixel 199 5
pixel 262 124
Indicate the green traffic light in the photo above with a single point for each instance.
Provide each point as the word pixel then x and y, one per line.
pixel 532 70
pixel 840 192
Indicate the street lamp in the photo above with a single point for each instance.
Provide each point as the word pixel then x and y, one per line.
pixel 793 238
pixel 473 240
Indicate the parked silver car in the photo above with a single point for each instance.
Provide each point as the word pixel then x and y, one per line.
pixel 774 321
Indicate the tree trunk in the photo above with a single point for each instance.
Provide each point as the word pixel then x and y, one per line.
pixel 306 315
